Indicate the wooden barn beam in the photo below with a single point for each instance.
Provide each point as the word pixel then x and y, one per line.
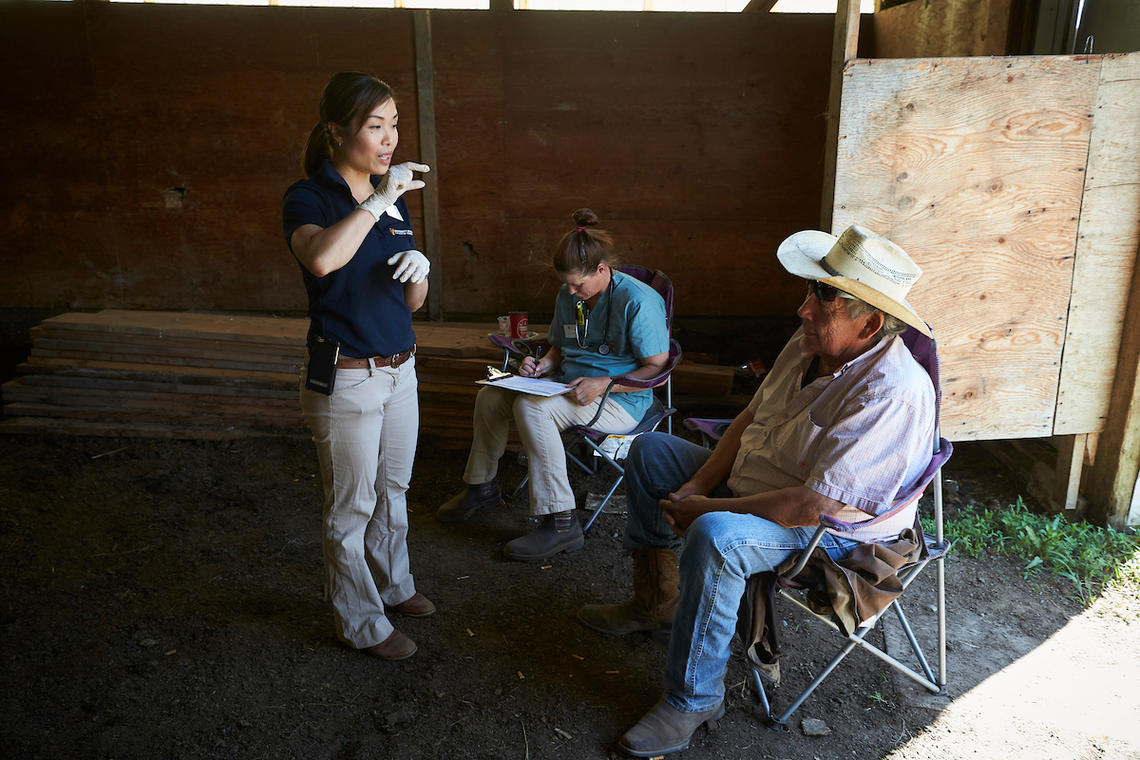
pixel 425 107
pixel 1110 229
pixel 844 47
pixel 759 6
pixel 1117 466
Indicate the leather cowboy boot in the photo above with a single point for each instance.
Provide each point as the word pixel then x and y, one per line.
pixel 467 502
pixel 655 595
pixel 666 729
pixel 558 532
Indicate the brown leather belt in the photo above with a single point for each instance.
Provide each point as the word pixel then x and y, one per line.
pixel 395 360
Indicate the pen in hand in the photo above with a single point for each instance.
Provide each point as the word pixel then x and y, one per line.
pixel 529 367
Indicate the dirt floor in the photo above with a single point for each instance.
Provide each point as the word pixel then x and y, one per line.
pixel 163 599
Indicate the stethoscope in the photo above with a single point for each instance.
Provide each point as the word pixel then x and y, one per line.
pixel 582 326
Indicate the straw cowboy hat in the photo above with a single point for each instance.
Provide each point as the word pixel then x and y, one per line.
pixel 859 262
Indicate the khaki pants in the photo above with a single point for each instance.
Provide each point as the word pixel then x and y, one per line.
pixel 365 435
pixel 540 422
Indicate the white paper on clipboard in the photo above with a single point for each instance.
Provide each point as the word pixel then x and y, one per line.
pixel 535 386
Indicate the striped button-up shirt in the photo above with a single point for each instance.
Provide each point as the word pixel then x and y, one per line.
pixel 862 436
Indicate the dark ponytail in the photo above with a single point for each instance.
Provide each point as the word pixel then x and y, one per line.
pixel 347 100
pixel 584 247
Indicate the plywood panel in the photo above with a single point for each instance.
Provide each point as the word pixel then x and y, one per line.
pixel 976 167
pixel 1106 250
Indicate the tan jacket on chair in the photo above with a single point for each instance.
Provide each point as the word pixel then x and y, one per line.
pixel 848 591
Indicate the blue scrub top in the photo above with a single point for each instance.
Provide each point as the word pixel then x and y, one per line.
pixel 359 304
pixel 637 330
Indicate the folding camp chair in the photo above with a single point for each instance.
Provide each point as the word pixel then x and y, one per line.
pixel 936 547
pixel 593 438
pixel 709 428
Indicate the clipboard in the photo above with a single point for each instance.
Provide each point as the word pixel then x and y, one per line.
pixel 534 386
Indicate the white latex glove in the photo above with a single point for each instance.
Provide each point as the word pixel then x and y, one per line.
pixel 412 265
pixel 395 183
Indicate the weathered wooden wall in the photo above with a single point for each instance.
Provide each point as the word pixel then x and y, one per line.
pixel 696 137
pixel 935 28
pixel 105 107
pixel 977 166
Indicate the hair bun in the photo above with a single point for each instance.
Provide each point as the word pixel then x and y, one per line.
pixel 584 217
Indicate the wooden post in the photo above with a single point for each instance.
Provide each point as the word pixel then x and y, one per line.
pixel 844 47
pixel 425 102
pixel 1110 221
pixel 1117 466
pixel 1070 463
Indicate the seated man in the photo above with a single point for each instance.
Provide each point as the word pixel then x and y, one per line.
pixel 842 425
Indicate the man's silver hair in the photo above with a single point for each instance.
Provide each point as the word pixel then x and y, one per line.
pixel 892 325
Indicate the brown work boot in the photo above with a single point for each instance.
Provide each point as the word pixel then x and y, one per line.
pixel 558 532
pixel 395 647
pixel 467 502
pixel 416 605
pixel 665 729
pixel 654 602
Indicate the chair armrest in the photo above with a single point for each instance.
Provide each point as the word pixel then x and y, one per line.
pixel 830 521
pixel 635 382
pixel 825 521
pixel 520 346
pixel 644 383
pixel 652 382
pixel 805 553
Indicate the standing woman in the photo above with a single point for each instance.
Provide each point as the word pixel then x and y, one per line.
pixel 350 231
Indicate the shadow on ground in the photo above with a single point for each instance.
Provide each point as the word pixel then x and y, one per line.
pixel 163 599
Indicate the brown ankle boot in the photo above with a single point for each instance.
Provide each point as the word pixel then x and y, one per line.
pixel 655 595
pixel 547 539
pixel 467 502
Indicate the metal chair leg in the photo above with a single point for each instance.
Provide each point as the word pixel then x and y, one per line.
pixel 762 694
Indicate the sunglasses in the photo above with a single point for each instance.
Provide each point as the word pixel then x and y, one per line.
pixel 826 293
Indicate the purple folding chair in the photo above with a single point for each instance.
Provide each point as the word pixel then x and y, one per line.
pixel 925 351
pixel 587 434
pixel 710 429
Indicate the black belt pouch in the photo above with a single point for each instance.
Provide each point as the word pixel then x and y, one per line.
pixel 323 354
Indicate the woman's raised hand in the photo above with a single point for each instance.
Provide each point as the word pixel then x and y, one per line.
pixel 395 183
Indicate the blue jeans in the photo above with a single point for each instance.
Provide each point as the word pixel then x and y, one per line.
pixel 719 552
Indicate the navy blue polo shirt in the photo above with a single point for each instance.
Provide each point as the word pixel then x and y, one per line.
pixel 359 304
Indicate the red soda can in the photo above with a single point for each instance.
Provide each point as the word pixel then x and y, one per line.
pixel 519 324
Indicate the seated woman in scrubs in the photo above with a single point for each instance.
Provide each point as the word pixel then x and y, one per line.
pixel 605 324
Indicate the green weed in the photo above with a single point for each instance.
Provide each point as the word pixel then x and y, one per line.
pixel 880 700
pixel 1089 557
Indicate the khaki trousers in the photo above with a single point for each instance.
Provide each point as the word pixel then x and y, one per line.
pixel 365 434
pixel 540 422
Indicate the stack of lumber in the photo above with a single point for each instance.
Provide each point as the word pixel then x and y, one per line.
pixel 190 375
